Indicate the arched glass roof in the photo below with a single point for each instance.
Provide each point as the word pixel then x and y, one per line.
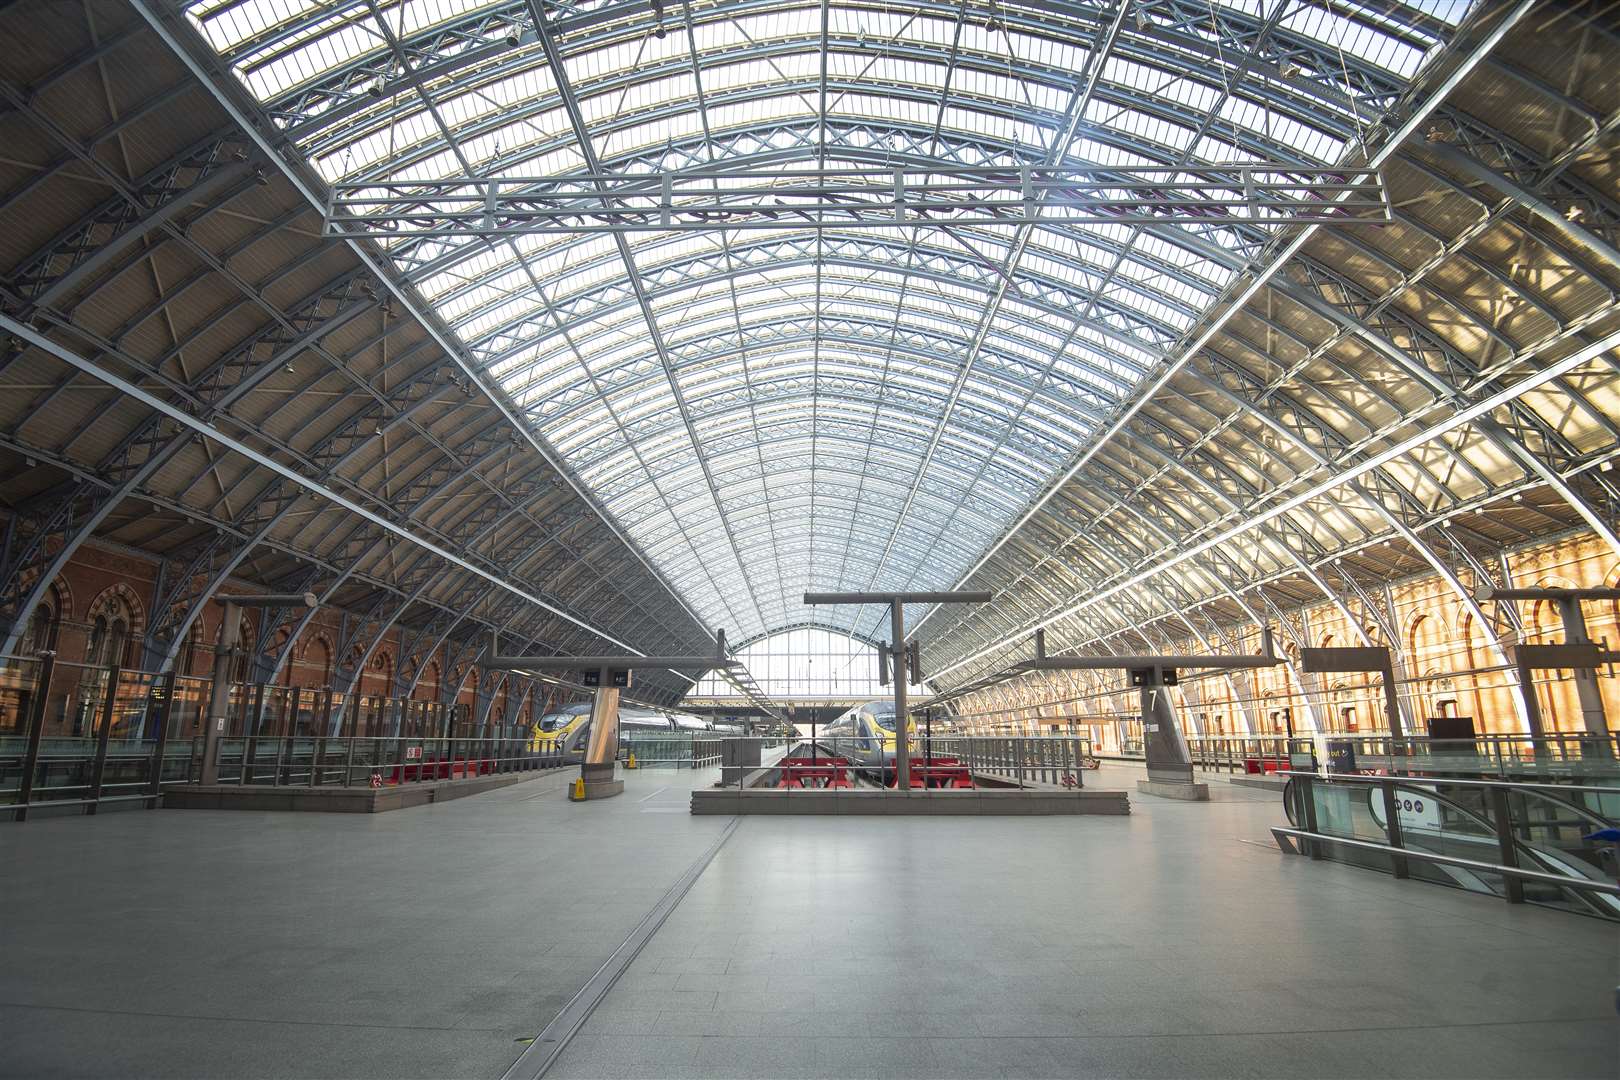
pixel 770 412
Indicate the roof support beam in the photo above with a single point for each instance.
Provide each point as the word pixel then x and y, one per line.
pixel 1251 287
pixel 185 45
pixel 1339 478
pixel 213 434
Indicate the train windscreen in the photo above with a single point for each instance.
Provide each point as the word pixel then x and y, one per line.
pixel 884 715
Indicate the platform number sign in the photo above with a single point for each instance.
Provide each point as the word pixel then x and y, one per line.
pixel 616 677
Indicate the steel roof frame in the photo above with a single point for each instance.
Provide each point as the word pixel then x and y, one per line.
pixel 1205 465
pixel 565 92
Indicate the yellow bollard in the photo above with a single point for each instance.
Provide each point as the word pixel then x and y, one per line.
pixel 579 790
pixel 631 763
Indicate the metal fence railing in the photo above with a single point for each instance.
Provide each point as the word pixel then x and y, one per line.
pixel 1059 762
pixel 74 735
pixel 1548 844
pixel 940 762
pixel 353 760
pixel 1507 756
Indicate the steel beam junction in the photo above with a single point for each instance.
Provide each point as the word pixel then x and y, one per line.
pixel 491 660
pixel 898 654
pixel 856 198
pixel 1266 657
pixel 1578 653
pixel 1163 744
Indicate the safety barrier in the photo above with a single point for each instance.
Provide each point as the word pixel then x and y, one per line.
pixel 79 736
pixel 1504 756
pixel 953 762
pixel 1059 762
pixel 344 762
pixel 675 750
pixel 1549 844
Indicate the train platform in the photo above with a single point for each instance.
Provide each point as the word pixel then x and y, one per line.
pixel 1172 943
pixel 240 943
pixel 437 940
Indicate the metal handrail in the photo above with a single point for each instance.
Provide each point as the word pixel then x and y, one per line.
pixel 1562 789
pixel 1301 796
pixel 1589 884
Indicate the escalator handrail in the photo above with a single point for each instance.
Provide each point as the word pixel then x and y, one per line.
pixel 1603 886
pixel 1540 856
pixel 1362 778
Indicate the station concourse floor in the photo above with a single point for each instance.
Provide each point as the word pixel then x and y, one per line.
pixel 1176 942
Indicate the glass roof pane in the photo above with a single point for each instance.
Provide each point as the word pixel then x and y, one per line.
pixel 768 411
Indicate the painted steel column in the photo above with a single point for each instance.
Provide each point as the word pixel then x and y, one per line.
pixel 36 732
pixel 1529 704
pixel 602 749
pixel 902 747
pixel 1163 746
pixel 219 695
pixel 1593 718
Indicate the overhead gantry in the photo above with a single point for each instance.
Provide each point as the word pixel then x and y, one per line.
pixel 1169 765
pixel 1578 653
pixel 897 653
pixel 606 675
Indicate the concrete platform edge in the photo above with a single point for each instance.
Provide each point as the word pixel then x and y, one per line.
pixel 932 803
pixel 1197 791
pixel 340 800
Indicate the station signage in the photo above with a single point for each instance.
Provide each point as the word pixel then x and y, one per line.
pixel 1415 807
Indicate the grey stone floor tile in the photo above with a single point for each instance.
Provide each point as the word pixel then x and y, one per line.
pixel 707 1024
pixel 876 1057
pixel 616 1021
pixel 723 982
pixel 1148 946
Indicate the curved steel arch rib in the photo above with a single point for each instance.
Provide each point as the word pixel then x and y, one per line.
pixel 1121 302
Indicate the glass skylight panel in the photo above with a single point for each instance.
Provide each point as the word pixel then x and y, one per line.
pixel 897 311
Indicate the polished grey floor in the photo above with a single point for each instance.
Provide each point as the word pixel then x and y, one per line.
pixel 1174 943
pixel 419 943
pixel 425 943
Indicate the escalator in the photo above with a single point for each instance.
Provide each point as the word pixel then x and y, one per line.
pixel 1458 820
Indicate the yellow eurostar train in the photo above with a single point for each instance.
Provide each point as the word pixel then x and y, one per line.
pixel 865 736
pixel 567 728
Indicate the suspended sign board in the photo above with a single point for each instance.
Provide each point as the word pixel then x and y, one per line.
pixel 617 677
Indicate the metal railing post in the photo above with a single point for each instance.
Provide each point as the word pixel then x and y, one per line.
pixel 1308 813
pixel 251 722
pixel 1392 823
pixel 1507 849
pixel 163 710
pixel 103 736
pixel 36 732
